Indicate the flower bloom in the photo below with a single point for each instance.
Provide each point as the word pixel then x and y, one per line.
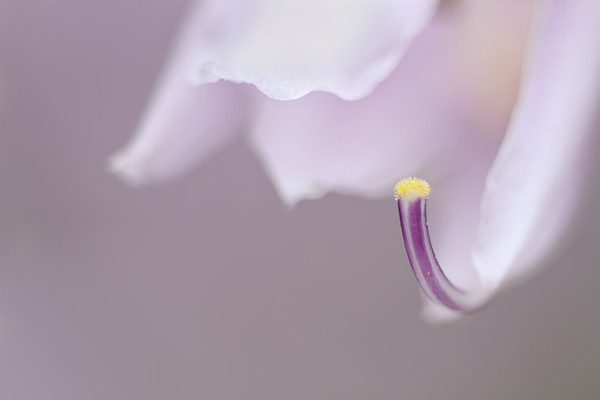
pixel 358 117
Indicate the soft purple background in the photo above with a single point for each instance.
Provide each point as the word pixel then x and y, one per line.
pixel 206 287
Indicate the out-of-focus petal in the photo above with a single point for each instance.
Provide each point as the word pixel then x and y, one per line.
pixel 411 123
pixel 292 47
pixel 183 125
pixel 321 143
pixel 533 173
pixel 183 122
pixel 454 207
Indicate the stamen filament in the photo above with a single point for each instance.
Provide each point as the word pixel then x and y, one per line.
pixel 412 195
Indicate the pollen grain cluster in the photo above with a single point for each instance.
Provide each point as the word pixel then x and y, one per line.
pixel 411 189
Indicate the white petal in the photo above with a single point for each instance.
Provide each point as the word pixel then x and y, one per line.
pixel 288 48
pixel 412 123
pixel 183 125
pixel 320 143
pixel 531 176
pixel 453 214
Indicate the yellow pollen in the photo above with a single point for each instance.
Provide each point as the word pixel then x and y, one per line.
pixel 411 189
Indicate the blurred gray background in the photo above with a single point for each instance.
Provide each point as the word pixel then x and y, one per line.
pixel 206 287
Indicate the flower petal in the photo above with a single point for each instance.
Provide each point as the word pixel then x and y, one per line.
pixel 544 143
pixel 183 125
pixel 183 122
pixel 414 121
pixel 321 143
pixel 290 48
pixel 453 214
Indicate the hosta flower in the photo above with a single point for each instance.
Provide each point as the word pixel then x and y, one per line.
pixel 359 118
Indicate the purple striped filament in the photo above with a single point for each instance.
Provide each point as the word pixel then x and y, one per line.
pixel 412 195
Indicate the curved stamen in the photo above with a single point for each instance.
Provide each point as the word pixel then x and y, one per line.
pixel 412 195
